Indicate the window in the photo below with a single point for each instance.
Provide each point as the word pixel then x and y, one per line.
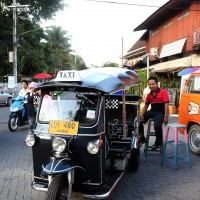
pixel 183 16
pixel 154 32
pixel 70 106
pixel 194 85
pixel 167 25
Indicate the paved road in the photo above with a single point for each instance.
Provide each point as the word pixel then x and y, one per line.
pixel 151 182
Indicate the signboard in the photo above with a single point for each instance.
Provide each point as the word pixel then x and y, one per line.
pixel 172 96
pixel 68 75
pixel 10 56
pixel 11 82
pixel 196 37
pixel 193 108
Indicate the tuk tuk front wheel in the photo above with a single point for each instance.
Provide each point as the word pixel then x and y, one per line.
pixel 194 139
pixel 58 188
pixel 134 160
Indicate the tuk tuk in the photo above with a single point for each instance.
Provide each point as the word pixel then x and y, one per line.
pixel 86 134
pixel 189 110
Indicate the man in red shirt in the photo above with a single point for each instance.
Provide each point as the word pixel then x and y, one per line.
pixel 159 112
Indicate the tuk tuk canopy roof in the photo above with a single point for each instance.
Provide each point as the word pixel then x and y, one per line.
pixel 107 79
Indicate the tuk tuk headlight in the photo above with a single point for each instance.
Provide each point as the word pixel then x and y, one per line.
pixel 94 146
pixel 30 140
pixel 58 144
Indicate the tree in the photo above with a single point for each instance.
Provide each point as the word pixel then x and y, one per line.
pixel 38 9
pixel 143 78
pixel 78 62
pixel 110 64
pixel 31 56
pixel 30 53
pixel 58 50
pixel 5 41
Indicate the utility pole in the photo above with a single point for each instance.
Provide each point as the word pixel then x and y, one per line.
pixel 147 57
pixel 14 6
pixel 148 66
pixel 122 51
pixel 15 40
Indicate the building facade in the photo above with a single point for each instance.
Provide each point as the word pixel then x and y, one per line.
pixel 171 41
pixel 172 37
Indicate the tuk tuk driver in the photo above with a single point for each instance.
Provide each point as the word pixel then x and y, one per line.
pixel 159 100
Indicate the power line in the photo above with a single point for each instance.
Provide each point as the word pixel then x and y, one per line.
pixel 141 5
pixel 122 3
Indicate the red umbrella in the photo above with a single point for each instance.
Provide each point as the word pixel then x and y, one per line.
pixel 42 75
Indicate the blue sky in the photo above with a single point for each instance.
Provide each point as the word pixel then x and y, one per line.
pixel 97 28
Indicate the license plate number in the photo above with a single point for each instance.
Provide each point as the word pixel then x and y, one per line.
pixel 63 127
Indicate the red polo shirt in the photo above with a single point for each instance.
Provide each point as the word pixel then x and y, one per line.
pixel 158 101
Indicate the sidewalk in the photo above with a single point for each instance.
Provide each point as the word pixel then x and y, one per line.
pixel 155 182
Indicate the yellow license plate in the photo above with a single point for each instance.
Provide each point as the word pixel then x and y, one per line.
pixel 63 127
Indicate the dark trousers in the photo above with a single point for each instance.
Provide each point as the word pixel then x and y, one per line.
pixel 158 118
pixel 31 125
pixel 25 114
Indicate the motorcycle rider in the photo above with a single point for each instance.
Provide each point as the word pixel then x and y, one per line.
pixel 23 93
pixel 30 107
pixel 24 89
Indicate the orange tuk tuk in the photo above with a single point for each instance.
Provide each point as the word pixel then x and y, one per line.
pixel 189 110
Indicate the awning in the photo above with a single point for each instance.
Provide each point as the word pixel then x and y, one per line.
pixel 172 48
pixel 174 65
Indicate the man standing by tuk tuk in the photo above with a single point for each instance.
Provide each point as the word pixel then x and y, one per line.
pixel 159 100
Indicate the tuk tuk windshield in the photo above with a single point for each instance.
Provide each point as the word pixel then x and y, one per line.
pixel 70 106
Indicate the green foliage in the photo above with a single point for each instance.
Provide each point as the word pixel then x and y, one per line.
pixel 58 50
pixel 34 56
pixel 165 82
pixel 31 53
pixel 143 78
pixel 110 64
pixel 45 9
pixel 38 9
pixel 79 62
pixel 5 40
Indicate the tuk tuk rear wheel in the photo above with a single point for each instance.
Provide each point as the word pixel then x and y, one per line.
pixel 58 188
pixel 134 160
pixel 194 139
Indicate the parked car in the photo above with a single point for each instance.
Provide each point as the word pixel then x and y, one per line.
pixel 5 98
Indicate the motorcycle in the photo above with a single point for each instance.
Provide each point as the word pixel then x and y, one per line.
pixel 17 116
pixel 87 132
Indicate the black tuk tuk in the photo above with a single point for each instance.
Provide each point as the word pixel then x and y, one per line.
pixel 86 134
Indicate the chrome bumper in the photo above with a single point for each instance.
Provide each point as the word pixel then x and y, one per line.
pixel 39 187
pixel 107 194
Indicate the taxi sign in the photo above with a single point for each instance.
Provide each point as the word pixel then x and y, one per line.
pixel 68 75
pixel 63 127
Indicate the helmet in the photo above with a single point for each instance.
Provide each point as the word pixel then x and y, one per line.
pixel 32 85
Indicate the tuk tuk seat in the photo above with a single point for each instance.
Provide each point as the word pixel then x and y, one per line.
pixel 114 117
pixel 116 152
